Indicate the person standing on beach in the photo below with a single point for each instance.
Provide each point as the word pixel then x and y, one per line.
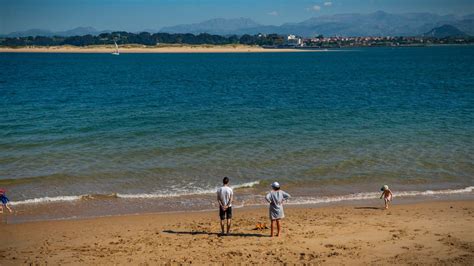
pixel 225 196
pixel 276 198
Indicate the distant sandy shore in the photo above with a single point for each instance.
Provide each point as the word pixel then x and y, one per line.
pixel 147 49
pixel 424 233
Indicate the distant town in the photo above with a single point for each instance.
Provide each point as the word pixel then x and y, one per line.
pixel 269 41
pixel 371 41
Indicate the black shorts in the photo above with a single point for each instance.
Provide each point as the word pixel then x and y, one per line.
pixel 227 212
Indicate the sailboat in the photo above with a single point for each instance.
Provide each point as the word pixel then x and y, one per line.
pixel 116 49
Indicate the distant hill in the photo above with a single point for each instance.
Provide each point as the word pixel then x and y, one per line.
pixel 465 25
pixel 214 26
pixel 79 31
pixel 445 31
pixel 30 32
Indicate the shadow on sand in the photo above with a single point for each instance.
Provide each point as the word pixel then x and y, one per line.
pixel 368 208
pixel 211 233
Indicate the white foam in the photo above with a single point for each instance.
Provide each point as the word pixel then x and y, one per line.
pixel 246 185
pixel 376 195
pixel 295 200
pixel 162 195
pixel 180 194
pixel 46 200
pixel 129 196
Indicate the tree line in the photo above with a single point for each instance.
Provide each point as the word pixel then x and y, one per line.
pixel 144 38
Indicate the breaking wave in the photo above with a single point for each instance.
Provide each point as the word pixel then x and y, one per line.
pixel 376 195
pixel 127 196
pixel 295 200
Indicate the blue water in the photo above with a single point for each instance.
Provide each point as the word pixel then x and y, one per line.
pixel 74 124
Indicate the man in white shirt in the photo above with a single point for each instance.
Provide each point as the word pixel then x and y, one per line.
pixel 225 196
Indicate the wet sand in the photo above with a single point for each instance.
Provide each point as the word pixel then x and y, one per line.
pixel 422 233
pixel 148 49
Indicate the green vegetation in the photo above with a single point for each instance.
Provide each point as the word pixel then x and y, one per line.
pixel 266 40
pixel 143 38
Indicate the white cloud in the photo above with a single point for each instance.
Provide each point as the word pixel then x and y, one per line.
pixel 327 3
pixel 273 13
pixel 315 8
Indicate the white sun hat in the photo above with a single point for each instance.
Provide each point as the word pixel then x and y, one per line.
pixel 275 185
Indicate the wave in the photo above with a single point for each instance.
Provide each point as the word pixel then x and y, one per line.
pixel 295 200
pixel 163 195
pixel 46 200
pixel 178 194
pixel 99 196
pixel 128 196
pixel 376 195
pixel 247 185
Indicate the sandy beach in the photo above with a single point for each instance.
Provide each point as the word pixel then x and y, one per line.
pixel 422 233
pixel 148 49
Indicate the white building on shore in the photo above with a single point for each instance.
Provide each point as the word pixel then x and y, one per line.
pixel 293 40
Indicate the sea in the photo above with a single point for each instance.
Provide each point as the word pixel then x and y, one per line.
pixel 86 135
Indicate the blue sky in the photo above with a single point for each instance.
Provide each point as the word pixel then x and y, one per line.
pixel 136 15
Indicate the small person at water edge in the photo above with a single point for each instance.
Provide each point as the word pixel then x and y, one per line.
pixel 276 198
pixel 225 196
pixel 5 201
pixel 387 195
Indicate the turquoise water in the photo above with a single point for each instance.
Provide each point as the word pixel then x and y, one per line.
pixel 158 125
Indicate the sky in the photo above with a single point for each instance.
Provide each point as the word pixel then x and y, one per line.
pixel 138 15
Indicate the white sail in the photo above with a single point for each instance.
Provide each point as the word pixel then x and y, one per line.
pixel 116 49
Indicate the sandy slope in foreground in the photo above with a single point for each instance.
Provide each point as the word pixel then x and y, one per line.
pixel 428 233
pixel 144 49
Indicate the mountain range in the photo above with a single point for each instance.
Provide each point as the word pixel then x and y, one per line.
pixel 79 31
pixel 372 24
pixel 219 26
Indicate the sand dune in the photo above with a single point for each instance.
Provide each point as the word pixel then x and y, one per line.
pixel 427 233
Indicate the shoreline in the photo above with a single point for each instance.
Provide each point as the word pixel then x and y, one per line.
pixel 429 232
pixel 93 206
pixel 344 203
pixel 184 49
pixel 146 49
